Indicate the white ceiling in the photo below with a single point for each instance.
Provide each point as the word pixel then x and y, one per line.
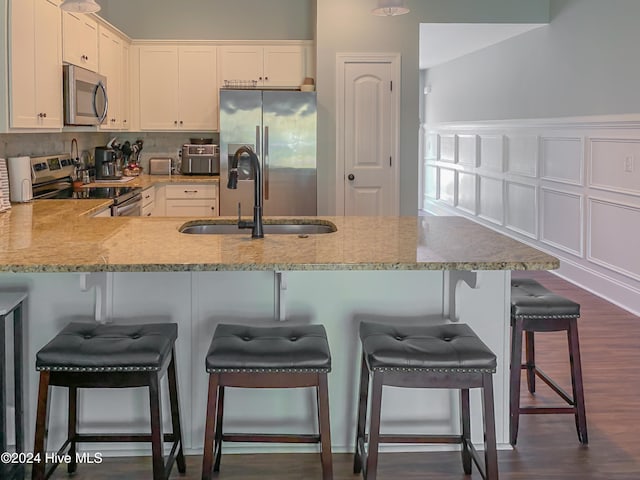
pixel 442 42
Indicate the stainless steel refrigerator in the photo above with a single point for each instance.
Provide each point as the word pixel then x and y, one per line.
pixel 280 126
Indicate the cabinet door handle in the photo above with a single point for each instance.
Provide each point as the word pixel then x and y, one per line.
pixel 191 191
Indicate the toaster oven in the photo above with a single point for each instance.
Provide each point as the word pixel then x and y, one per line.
pixel 200 160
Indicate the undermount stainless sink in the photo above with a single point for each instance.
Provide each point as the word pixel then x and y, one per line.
pixel 308 227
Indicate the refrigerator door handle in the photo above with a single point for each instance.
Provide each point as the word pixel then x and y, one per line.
pixel 258 140
pixel 266 163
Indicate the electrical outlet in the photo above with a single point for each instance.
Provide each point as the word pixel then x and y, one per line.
pixel 629 164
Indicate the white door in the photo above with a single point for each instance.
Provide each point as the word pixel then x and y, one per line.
pixel 367 139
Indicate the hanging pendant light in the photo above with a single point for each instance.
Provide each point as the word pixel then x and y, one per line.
pixel 80 6
pixel 390 8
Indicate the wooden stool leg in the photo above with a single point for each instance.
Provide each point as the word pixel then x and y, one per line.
pixel 514 379
pixel 490 449
pixel 157 437
pixel 40 442
pixel 576 381
pixel 174 398
pixel 209 430
pixel 217 446
pixel 324 427
pixel 374 427
pixel 362 416
pixel 72 428
pixel 531 361
pixel 465 421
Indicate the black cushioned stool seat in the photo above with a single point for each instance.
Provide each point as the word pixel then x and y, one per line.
pixel 266 357
pixel 91 355
pixel 536 309
pixel 425 356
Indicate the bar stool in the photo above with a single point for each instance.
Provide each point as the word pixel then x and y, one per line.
pixel 425 356
pixel 536 309
pixel 12 303
pixel 91 355
pixel 266 357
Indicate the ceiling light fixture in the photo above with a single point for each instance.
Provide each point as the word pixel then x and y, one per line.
pixel 80 6
pixel 390 8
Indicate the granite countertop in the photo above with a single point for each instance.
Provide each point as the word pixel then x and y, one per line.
pixel 61 236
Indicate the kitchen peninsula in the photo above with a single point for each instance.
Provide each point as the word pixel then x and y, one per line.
pixel 393 268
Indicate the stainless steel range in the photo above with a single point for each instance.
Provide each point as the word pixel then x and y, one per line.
pixel 52 179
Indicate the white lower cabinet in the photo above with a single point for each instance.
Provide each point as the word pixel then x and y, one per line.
pixel 148 202
pixel 191 200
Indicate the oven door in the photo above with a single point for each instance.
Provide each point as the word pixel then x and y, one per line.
pixel 130 208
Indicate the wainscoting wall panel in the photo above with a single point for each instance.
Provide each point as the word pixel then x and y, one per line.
pixel 521 209
pixel 492 153
pixel 615 164
pixel 562 220
pixel 447 186
pixel 467 190
pixel 468 150
pixel 562 160
pixel 522 156
pixel 431 182
pixel 609 241
pixel 491 199
pixel 431 150
pixel 448 148
pixel 570 187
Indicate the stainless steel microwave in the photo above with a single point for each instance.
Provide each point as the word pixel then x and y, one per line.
pixel 85 96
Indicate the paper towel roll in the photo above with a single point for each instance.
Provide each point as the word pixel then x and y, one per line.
pixel 20 177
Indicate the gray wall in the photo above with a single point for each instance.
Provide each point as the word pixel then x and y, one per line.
pixel 212 19
pixel 347 26
pixel 582 63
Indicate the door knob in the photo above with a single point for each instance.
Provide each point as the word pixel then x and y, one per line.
pixel 351 176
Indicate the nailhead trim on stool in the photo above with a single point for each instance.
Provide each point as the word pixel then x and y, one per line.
pixel 287 356
pixel 536 309
pixel 110 356
pixel 439 356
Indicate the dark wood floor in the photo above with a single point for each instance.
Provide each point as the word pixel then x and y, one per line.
pixel 548 447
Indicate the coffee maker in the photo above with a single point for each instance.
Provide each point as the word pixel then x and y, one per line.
pixel 107 164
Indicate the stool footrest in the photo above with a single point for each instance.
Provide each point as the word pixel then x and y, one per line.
pixel 546 410
pixel 390 438
pixel 116 437
pixel 271 438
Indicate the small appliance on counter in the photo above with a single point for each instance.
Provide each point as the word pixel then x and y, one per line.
pixel 200 159
pixel 161 166
pixel 21 178
pixel 107 164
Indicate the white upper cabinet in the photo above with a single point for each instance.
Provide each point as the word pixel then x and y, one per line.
pixel 268 65
pixel 178 87
pixel 80 40
pixel 35 64
pixel 112 48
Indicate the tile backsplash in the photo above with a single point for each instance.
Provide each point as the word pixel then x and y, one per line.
pixel 35 144
pixel 155 143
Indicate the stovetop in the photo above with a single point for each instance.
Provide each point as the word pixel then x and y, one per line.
pixel 118 194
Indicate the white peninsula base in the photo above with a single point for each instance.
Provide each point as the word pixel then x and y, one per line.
pixel 197 301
